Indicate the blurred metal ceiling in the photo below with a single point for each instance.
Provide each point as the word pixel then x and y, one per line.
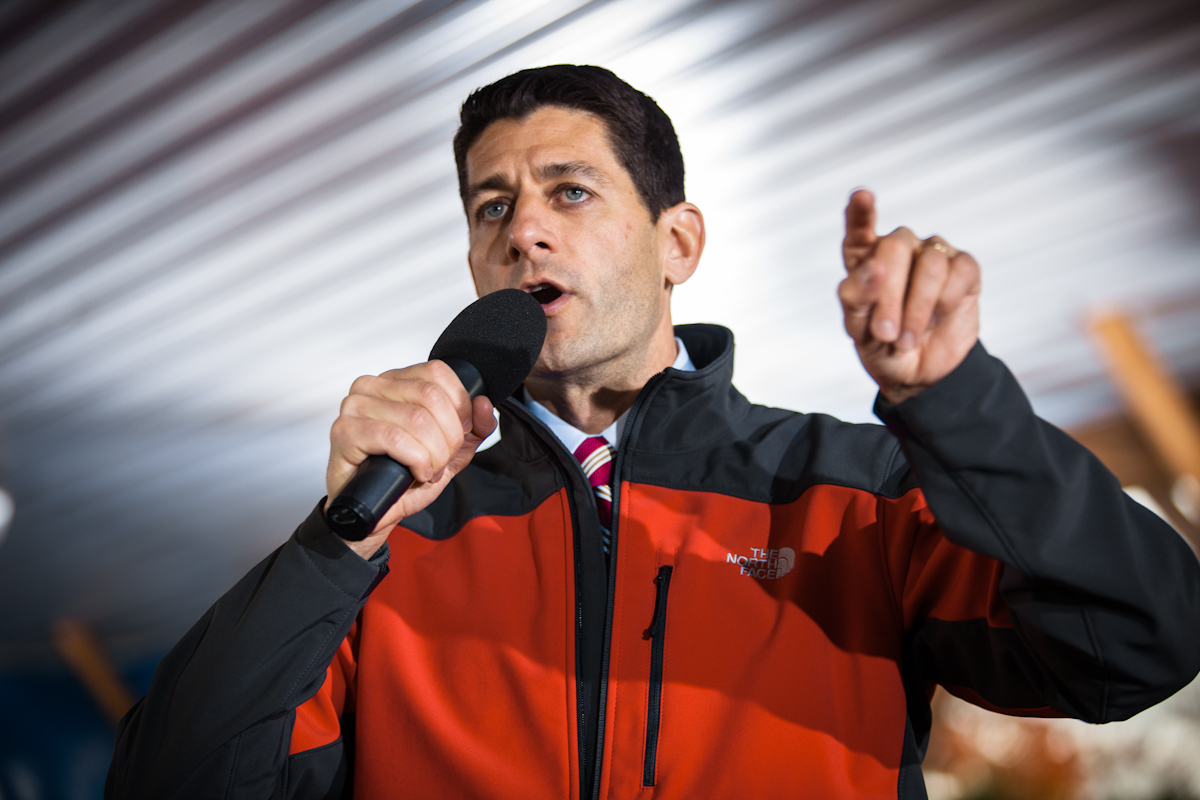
pixel 214 215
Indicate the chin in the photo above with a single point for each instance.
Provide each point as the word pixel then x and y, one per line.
pixel 547 368
pixel 554 360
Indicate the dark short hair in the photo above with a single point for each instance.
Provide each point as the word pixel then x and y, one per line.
pixel 639 132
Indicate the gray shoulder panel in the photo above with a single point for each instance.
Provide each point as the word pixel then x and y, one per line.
pixel 757 453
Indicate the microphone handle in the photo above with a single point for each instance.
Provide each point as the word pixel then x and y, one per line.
pixel 380 479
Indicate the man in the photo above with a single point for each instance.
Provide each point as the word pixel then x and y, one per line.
pixel 764 608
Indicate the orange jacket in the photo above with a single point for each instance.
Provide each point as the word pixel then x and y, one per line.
pixel 781 606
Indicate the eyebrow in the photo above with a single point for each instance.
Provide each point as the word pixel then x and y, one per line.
pixel 563 169
pixel 496 181
pixel 567 169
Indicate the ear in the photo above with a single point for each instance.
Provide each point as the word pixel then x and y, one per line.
pixel 680 241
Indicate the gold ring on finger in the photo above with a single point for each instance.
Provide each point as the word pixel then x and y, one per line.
pixel 942 247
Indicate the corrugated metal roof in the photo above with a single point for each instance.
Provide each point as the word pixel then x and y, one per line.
pixel 215 215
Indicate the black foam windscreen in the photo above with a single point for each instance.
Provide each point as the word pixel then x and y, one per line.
pixel 501 335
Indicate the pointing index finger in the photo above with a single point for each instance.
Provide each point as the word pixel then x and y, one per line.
pixel 860 227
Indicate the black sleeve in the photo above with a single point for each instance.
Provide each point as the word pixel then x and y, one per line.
pixel 217 719
pixel 1104 597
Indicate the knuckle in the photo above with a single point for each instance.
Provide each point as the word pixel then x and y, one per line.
pixel 845 291
pixel 440 371
pixel 419 419
pixel 343 435
pixel 965 266
pixel 394 438
pixel 362 384
pixel 351 405
pixel 429 392
pixel 397 440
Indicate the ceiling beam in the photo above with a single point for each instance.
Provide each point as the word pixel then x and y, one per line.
pixel 1157 404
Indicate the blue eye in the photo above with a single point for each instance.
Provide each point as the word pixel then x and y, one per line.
pixel 495 210
pixel 574 195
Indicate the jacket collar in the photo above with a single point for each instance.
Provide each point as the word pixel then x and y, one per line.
pixel 711 350
pixel 684 408
pixel 679 411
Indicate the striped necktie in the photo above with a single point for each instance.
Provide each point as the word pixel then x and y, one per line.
pixel 595 455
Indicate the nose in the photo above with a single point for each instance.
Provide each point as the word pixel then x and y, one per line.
pixel 531 233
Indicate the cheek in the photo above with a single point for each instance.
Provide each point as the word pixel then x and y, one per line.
pixel 482 268
pixel 485 281
pixel 481 278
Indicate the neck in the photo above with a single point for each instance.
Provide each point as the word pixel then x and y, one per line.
pixel 592 399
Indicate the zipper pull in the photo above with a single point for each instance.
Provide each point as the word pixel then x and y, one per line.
pixel 663 580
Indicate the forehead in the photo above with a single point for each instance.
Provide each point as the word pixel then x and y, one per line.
pixel 549 134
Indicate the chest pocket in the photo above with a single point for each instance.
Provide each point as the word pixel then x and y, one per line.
pixel 656 633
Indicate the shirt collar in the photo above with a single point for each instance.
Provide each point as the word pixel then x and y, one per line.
pixel 572 437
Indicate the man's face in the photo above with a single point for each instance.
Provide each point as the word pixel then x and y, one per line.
pixel 551 211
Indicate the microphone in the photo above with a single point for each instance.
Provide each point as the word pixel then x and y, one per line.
pixel 492 346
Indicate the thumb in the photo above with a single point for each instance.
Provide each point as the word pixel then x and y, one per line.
pixel 483 421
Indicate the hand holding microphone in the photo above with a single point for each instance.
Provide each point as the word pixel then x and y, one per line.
pixel 419 426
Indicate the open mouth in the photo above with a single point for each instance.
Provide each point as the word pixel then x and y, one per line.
pixel 545 294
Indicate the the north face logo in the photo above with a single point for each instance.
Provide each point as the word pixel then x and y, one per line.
pixel 764 563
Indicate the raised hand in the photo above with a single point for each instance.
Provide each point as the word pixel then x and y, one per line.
pixel 422 417
pixel 911 304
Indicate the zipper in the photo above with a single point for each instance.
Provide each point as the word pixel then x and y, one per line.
pixel 594 758
pixel 656 633
pixel 580 706
pixel 613 545
pixel 581 703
